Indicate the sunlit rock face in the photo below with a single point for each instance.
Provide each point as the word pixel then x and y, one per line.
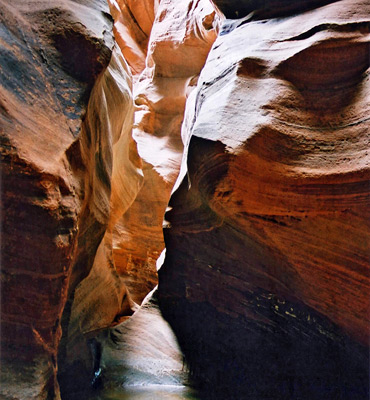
pixel 68 174
pixel 179 41
pixel 133 21
pixel 266 276
pixel 71 170
pixel 142 351
pixel 97 295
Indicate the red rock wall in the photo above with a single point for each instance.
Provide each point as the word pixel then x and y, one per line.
pixel 97 295
pixel 178 42
pixel 43 94
pixel 59 161
pixel 268 227
pixel 267 254
pixel 71 171
pixel 133 21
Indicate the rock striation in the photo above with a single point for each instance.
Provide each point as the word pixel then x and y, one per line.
pixel 72 235
pixel 266 275
pixel 97 295
pixel 45 84
pixel 179 40
pixel 265 278
pixel 65 137
pixel 133 21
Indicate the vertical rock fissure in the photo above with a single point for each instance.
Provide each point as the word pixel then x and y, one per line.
pixel 123 208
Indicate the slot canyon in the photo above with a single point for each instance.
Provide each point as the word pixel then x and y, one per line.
pixel 185 204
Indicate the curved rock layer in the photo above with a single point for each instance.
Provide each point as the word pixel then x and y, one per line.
pixel 133 21
pixel 52 53
pixel 97 295
pixel 69 172
pixel 180 39
pixel 266 276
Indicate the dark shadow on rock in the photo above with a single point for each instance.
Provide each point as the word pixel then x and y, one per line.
pixel 284 357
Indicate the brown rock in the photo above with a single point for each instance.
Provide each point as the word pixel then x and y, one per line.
pixel 98 296
pixel 58 197
pixel 71 171
pixel 180 39
pixel 267 229
pixel 133 22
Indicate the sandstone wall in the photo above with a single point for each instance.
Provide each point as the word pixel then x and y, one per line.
pixel 267 271
pixel 71 171
pixel 59 161
pixel 133 21
pixel 177 46
pixel 97 295
pixel 266 274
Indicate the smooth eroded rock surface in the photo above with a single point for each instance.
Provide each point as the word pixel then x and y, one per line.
pixel 51 54
pixel 97 295
pixel 266 276
pixel 133 21
pixel 138 358
pixel 69 172
pixel 180 39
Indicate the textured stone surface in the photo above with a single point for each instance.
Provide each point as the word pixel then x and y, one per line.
pixel 58 167
pixel 45 84
pixel 139 352
pixel 97 294
pixel 71 170
pixel 179 41
pixel 266 273
pixel 266 276
pixel 133 22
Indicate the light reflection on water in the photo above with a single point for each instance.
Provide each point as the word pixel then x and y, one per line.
pixel 151 392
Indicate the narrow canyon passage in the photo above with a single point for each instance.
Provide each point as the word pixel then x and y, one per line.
pixel 185 199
